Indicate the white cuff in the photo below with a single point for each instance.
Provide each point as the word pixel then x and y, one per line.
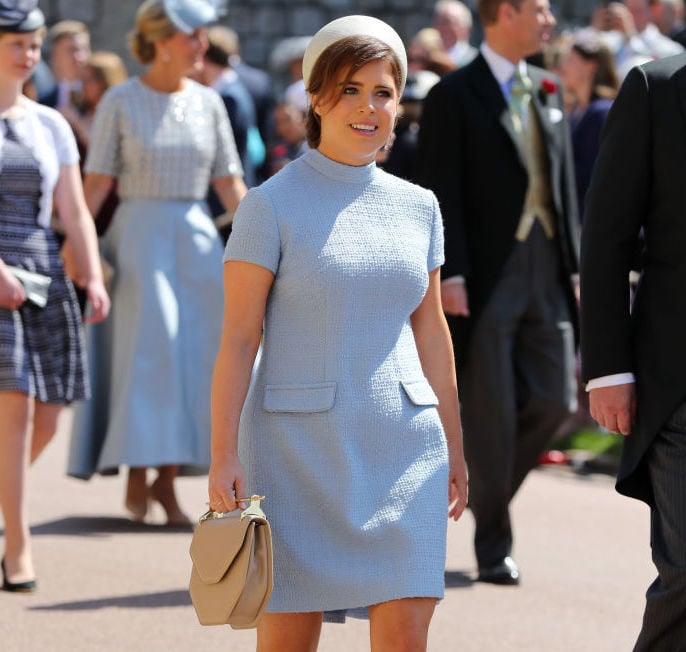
pixel 610 381
pixel 453 280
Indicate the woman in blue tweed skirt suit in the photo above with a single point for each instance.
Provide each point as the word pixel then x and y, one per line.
pixel 350 426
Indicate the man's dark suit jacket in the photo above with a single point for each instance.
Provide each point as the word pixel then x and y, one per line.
pixel 241 110
pixel 49 98
pixel 639 182
pixel 259 85
pixel 470 158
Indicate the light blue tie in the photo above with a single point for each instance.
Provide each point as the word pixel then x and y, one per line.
pixel 520 95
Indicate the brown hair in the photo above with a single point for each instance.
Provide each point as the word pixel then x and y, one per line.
pixel 345 56
pixel 605 79
pixel 107 68
pixel 41 31
pixel 152 25
pixel 488 10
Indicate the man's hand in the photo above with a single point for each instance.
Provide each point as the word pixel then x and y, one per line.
pixel 614 407
pixel 454 299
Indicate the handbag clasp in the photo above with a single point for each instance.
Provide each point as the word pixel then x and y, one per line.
pixel 253 509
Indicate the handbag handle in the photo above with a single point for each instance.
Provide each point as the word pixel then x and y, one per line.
pixel 253 509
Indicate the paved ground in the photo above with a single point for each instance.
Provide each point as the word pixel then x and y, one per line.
pixel 111 585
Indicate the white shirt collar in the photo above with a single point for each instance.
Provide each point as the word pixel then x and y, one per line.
pixel 502 68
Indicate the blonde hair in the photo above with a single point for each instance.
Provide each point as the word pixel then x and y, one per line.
pixel 152 25
pixel 107 68
pixel 66 29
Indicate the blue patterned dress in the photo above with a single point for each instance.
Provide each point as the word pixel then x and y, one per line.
pixel 42 351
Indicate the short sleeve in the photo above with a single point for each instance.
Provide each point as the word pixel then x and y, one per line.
pixel 104 152
pixel 436 256
pixel 255 235
pixel 226 163
pixel 65 143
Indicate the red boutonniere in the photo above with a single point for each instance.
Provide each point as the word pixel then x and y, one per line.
pixel 548 86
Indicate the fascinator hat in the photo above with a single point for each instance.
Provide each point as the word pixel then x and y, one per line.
pixel 20 16
pixel 189 15
pixel 353 26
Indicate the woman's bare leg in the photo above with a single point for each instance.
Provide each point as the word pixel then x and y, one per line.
pixel 136 500
pixel 15 424
pixel 400 625
pixel 162 490
pixel 45 419
pixel 290 632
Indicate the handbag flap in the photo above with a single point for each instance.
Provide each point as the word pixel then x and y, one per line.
pixel 217 541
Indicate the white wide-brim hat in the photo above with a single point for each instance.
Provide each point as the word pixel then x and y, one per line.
pixel 354 26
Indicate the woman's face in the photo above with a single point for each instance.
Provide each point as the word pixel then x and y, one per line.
pixel 19 54
pixel 93 88
pixel 359 118
pixel 289 124
pixel 575 71
pixel 186 50
pixel 417 56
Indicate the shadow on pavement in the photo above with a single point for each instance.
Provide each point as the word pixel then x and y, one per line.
pixel 179 598
pixel 457 580
pixel 102 525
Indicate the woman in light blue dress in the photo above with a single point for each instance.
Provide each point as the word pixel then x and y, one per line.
pixel 350 425
pixel 164 138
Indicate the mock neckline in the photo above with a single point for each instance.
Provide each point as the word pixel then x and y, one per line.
pixel 339 171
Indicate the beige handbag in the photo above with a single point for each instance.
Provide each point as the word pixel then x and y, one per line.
pixel 231 580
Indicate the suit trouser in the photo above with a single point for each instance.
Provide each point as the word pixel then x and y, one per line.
pixel 516 388
pixel 664 620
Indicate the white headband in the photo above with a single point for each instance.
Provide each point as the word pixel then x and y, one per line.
pixel 354 26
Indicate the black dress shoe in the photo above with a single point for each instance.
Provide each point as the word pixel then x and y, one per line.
pixel 16 587
pixel 505 572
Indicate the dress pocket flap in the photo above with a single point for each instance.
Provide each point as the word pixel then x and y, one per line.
pixel 419 392
pixel 315 397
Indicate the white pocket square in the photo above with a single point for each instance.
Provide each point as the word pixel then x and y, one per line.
pixel 555 115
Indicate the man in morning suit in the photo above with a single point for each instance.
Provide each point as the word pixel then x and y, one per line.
pixel 495 148
pixel 634 357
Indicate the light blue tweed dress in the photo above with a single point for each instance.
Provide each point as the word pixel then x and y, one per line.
pixel 340 429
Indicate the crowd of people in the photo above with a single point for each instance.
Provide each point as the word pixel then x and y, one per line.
pixel 407 226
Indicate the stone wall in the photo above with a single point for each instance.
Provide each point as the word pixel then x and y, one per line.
pixel 262 23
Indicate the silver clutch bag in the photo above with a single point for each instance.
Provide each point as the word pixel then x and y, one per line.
pixel 35 285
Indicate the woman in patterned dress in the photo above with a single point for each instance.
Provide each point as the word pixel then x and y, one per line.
pixel 42 362
pixel 350 424
pixel 164 138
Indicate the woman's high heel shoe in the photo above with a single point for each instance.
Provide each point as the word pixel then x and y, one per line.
pixel 16 587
